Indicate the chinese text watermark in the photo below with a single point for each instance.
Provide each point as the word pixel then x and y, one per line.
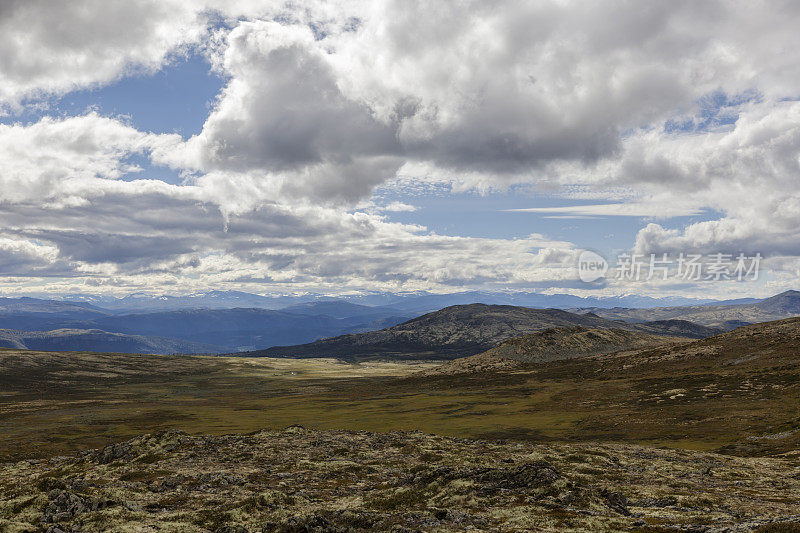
pixel 688 267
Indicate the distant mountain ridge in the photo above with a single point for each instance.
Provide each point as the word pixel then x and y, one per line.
pixel 729 316
pixel 141 303
pixel 38 305
pixel 226 329
pixel 457 331
pixel 40 315
pixel 95 340
pixel 424 302
pixel 412 303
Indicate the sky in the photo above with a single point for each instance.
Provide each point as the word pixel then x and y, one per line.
pixel 345 146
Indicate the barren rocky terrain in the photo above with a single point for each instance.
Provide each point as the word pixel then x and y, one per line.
pixel 300 480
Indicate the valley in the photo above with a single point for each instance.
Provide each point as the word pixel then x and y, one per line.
pixel 735 392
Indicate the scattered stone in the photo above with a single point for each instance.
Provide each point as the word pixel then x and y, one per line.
pixel 132 506
pixel 63 506
pixel 616 501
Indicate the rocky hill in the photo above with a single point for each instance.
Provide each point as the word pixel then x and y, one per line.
pixel 300 480
pixel 566 343
pixel 464 330
pixel 554 344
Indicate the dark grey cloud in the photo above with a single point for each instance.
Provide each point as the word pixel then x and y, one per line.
pixel 289 112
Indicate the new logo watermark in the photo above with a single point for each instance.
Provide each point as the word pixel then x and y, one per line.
pixel 688 267
pixel 591 266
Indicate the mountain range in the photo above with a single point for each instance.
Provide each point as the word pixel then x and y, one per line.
pixel 413 303
pixel 345 327
pixel 726 316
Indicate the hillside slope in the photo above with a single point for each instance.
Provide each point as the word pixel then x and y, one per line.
pixel 554 344
pixel 457 331
pixel 756 346
pixel 737 392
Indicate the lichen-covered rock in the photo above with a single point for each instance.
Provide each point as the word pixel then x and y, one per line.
pixel 307 481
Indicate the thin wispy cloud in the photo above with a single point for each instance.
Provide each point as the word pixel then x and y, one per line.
pixel 640 210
